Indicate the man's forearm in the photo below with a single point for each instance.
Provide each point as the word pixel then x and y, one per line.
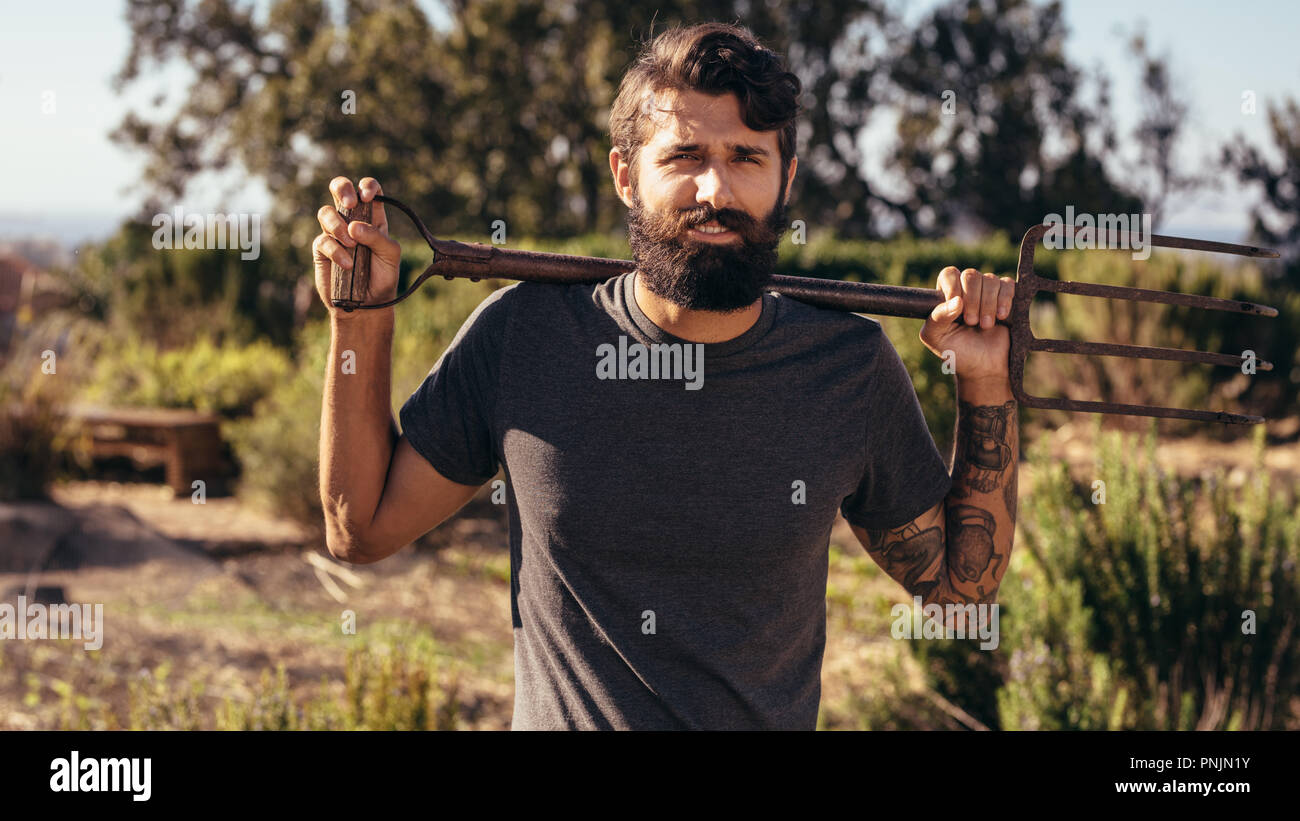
pixel 357 428
pixel 980 509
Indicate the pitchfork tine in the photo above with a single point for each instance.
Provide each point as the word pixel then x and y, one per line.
pixel 1209 245
pixel 1141 352
pixel 1211 303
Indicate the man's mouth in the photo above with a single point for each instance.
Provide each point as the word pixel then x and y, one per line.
pixel 712 230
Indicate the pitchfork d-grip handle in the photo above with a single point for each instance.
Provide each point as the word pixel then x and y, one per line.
pixel 350 289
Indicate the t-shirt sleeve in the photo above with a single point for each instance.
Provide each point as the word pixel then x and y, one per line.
pixel 905 476
pixel 449 419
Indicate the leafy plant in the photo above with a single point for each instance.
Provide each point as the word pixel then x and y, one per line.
pixel 1170 605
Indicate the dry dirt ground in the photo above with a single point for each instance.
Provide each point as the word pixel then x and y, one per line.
pixel 220 592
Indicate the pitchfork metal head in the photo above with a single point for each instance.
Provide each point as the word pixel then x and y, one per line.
pixel 1023 340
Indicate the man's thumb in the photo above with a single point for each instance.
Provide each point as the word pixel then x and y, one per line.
pixel 383 247
pixel 947 311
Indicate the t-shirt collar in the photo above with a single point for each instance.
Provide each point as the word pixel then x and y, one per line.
pixel 712 350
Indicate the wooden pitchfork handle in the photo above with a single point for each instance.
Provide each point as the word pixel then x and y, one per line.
pixel 476 261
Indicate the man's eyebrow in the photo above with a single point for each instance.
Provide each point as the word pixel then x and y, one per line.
pixel 738 148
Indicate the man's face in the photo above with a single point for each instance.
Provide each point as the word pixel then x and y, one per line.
pixel 707 211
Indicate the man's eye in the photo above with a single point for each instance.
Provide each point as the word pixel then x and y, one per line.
pixel 742 157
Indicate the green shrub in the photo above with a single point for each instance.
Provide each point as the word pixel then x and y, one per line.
pixel 29 436
pixel 169 297
pixel 36 445
pixel 277 447
pixel 227 379
pixel 1187 588
pixel 904 261
pixel 1172 605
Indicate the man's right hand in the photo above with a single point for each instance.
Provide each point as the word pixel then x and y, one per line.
pixel 338 238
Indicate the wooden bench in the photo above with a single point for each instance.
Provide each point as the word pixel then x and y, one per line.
pixel 187 442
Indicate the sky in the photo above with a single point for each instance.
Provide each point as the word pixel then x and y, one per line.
pixel 72 180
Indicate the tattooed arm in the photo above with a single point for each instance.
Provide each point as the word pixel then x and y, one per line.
pixel 957 552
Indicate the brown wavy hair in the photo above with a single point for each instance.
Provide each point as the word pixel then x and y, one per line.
pixel 711 58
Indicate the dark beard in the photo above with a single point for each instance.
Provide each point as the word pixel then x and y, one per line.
pixel 698 275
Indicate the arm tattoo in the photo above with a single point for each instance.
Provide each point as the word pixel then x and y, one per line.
pixel 970 539
pixel 909 554
pixel 980 464
pixel 958 552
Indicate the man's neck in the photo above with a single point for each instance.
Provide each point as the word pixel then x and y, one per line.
pixel 693 325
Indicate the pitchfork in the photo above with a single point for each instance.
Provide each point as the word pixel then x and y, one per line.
pixel 475 261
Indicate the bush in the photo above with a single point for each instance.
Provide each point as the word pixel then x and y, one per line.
pixel 1170 606
pixel 31 435
pixel 36 445
pixel 227 379
pixel 277 447
pixel 169 297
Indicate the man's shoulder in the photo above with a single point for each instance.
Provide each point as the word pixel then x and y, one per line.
pixel 830 322
pixel 533 294
pixel 528 310
pixel 510 299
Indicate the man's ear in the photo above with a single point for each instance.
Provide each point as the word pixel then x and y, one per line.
pixel 789 180
pixel 621 171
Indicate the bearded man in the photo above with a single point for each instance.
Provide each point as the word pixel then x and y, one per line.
pixel 669 546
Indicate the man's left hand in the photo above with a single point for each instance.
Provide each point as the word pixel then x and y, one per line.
pixel 966 323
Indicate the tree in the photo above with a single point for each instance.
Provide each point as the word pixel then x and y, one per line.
pixel 1275 222
pixel 995 131
pixel 504 115
pixel 1156 176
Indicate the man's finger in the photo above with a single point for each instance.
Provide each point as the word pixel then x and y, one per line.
pixel 989 300
pixel 345 196
pixel 369 190
pixel 329 248
pixel 950 282
pixel 329 219
pixel 971 286
pixel 1006 294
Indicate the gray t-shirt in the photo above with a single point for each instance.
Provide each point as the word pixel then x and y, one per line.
pixel 669 530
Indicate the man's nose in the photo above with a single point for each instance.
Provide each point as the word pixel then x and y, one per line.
pixel 713 186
